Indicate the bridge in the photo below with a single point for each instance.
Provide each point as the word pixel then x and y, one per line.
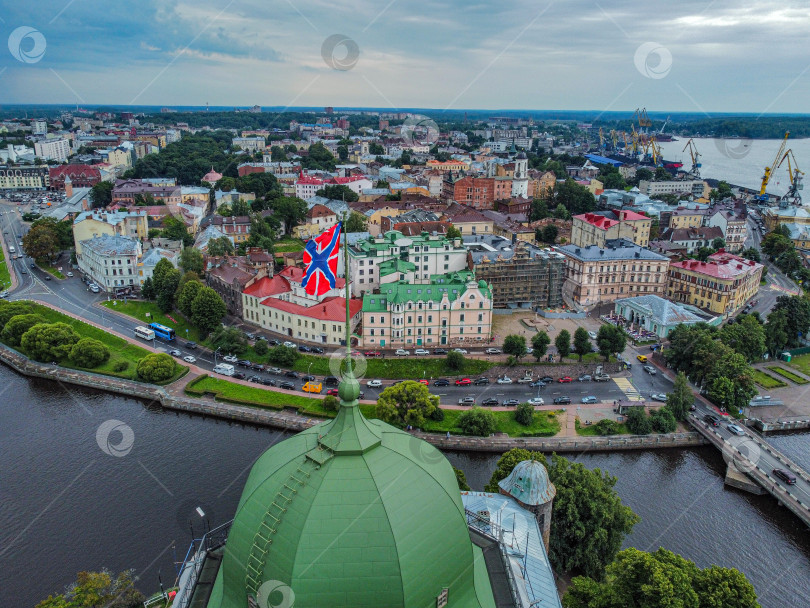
pixel 752 459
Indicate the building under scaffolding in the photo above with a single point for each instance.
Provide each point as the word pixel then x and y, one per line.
pixel 521 274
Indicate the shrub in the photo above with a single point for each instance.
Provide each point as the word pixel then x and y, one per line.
pixel 89 353
pixel 283 356
pixel 12 309
pixel 18 325
pixel 511 361
pixel 663 420
pixel 330 403
pixel 49 341
pixel 524 414
pixel 156 367
pixel 121 366
pixel 477 421
pixel 261 347
pixel 229 340
pixel 638 422
pixel 607 427
pixel 437 414
pixel 454 361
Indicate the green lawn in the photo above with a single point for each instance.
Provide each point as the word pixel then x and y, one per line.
pixel 138 310
pixel 545 424
pixel 591 430
pixel 766 380
pixel 51 270
pixel 395 368
pixel 288 244
pixel 120 349
pixel 5 276
pixel 801 363
pixel 788 374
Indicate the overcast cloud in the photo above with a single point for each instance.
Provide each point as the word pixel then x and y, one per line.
pixel 722 56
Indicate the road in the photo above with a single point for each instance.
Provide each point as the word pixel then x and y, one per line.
pixel 777 283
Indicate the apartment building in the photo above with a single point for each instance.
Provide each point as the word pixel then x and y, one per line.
pixel 96 223
pixel 24 178
pixel 597 228
pixel 696 187
pixel 722 284
pixel 110 261
pixel 52 149
pixel 620 269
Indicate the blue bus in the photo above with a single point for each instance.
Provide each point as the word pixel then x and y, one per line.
pixel 161 331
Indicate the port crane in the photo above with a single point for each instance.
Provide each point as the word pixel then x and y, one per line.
pixel 694 172
pixel 614 137
pixel 664 126
pixel 771 168
pixel 793 195
pixel 644 121
pixel 601 139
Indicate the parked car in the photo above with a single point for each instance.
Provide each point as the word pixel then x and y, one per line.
pixel 421 352
pixel 712 419
pixel 504 380
pixel 256 379
pixel 190 359
pixel 239 376
pixel 372 353
pixel 250 336
pixel 650 370
pixel 268 382
pixel 316 349
pixel 70 275
pixel 258 367
pixel 423 381
pixel 441 382
pixel 273 370
pixel 735 429
pixel 585 378
pixel 601 378
pixel 439 351
pixel 93 288
pixel 401 352
pixel 537 384
pixel 692 407
pixel 786 476
pixel 525 380
pixel 536 401
pixel 289 344
pixel 331 381
pixel 659 397
pixel 333 392
pixel 511 402
pixel 481 381
pixel 547 379
pixel 304 348
pixel 191 345
pixel 565 379
pixel 463 382
pixel 463 351
pixel 490 401
pixel 562 400
pixel 287 385
pixel 308 378
pixel 230 358
pixel 493 351
pixel 642 358
pixel 244 363
pixel 592 335
pixel 466 401
pixel 291 374
pixel 374 384
pixel 175 353
pixel 590 399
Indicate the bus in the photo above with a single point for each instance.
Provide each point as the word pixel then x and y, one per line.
pixel 161 331
pixel 144 333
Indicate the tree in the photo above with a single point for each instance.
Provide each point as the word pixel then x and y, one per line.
pixel 777 332
pixel 357 222
pixel 638 422
pixel 176 230
pixel 461 480
pixel 18 325
pixel 514 345
pixel 191 260
pixel 168 287
pixel 49 341
pixel 98 590
pixel 231 341
pixel 573 197
pixel 540 342
pixel 703 253
pixel 148 289
pixel 62 230
pixel 156 367
pixel 719 243
pixel 376 149
pixel 680 399
pixel 549 233
pixel 186 295
pixel 610 340
pixel 731 382
pixel 89 353
pixel 508 461
pixel 746 336
pixel 220 246
pixel 207 310
pixel 752 253
pixel 330 403
pixel 453 233
pixel 582 342
pixel 563 343
pixel 407 402
pixel 101 194
pixel 644 175
pixel 663 420
pixel 477 421
pixel 607 426
pixel 524 414
pixel 261 347
pixel 539 210
pixel 724 588
pixel 283 356
pixel 339 192
pixel 455 361
pixel 12 309
pixel 41 242
pixel 662 174
pixel 291 211
pixel 797 309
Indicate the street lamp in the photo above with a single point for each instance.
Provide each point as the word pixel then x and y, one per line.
pixel 216 352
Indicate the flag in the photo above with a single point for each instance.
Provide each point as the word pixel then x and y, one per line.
pixel 321 259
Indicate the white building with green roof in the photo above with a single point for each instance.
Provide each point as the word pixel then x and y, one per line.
pixel 450 309
pixel 429 254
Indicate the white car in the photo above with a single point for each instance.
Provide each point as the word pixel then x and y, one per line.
pixel 659 397
pixel 504 380
pixel 94 288
pixel 70 274
pixel 230 358
pixel 735 429
pixel 189 359
pixel 536 401
pixel 421 352
pixel 401 352
pixel 493 351
pixel 590 399
pixel 592 335
pixel 463 351
pixel 374 384
pixel 289 344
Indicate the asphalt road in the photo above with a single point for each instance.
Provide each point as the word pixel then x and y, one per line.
pixel 777 283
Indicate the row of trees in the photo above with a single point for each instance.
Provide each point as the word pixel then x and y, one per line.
pixel 610 340
pixel 779 248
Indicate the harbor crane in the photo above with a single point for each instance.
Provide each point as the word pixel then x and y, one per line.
pixel 694 172
pixel 601 139
pixel 793 195
pixel 614 137
pixel 664 126
pixel 771 168
pixel 644 121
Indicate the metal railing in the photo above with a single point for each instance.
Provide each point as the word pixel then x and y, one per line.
pixel 486 527
pixel 194 560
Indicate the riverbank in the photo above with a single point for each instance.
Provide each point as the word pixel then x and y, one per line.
pixel 170 398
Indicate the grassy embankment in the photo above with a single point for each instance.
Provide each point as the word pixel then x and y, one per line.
pixel 766 380
pixel 795 378
pixel 120 349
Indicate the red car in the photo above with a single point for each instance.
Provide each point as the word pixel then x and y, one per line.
pixel 565 379
pixel 423 381
pixel 372 353
pixel 333 392
pixel 463 382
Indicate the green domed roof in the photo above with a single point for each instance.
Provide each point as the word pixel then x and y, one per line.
pixel 354 513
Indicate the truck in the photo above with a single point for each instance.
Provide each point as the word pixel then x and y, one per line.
pixel 312 387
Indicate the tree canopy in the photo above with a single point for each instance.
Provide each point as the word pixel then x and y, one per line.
pixel 563 343
pixel 156 367
pixel 407 402
pixel 207 310
pixel 582 342
pixel 98 590
pixel 540 342
pixel 49 341
pixel 610 340
pixel 514 345
pixel 477 421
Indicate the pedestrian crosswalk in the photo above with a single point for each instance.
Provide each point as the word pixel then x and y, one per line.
pixel 628 389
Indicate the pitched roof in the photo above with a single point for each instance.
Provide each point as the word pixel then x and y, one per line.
pixel 268 286
pixel 329 309
pixel 720 265
pixel 664 311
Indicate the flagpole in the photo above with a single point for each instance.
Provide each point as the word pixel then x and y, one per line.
pixel 348 313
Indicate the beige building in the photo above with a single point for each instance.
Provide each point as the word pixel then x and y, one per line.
pixel 597 228
pixel 452 310
pixel 90 224
pixel 319 218
pixel 697 188
pixel 686 218
pixel 120 158
pixel 733 226
pixel 596 275
pixel 794 215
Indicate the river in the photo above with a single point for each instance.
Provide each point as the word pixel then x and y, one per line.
pixel 740 161
pixel 66 505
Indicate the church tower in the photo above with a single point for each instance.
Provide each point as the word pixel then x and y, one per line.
pixel 520 182
pixel 529 485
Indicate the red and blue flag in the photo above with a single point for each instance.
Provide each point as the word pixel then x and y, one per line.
pixel 321 256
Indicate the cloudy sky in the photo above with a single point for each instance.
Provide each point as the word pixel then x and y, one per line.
pixel 702 56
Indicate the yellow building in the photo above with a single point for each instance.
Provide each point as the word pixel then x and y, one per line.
pixel 721 285
pixel 794 215
pixel 90 224
pixel 120 158
pixel 597 228
pixel 448 165
pixel 686 218
pixel 542 185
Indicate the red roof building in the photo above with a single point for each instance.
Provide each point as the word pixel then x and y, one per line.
pixel 81 176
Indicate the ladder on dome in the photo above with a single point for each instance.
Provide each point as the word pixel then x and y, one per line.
pixel 254 569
